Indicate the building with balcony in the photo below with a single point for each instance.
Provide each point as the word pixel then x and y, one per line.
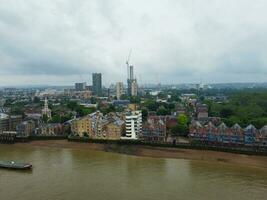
pixel 133 124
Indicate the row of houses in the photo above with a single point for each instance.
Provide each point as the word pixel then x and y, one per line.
pixel 235 135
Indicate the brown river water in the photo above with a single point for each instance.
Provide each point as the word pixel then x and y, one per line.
pixel 68 174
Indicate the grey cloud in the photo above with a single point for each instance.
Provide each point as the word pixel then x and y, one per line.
pixel 174 40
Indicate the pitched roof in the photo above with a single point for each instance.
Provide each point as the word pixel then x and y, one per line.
pixel 236 126
pixel 222 126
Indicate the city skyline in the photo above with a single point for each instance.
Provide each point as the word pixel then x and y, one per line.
pixel 172 42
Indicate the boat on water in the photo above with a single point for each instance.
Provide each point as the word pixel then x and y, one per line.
pixel 14 165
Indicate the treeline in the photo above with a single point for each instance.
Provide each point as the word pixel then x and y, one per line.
pixel 244 107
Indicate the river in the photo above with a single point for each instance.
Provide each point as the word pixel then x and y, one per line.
pixel 67 174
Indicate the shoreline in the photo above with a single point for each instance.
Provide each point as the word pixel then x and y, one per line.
pixel 155 152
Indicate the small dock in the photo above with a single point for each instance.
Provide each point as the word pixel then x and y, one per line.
pixel 7 137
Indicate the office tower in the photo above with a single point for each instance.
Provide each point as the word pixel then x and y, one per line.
pixel 80 86
pixel 119 90
pixel 97 84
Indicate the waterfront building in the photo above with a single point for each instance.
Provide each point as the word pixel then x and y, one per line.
pixel 9 123
pixel 97 122
pixel 133 123
pixel 263 136
pixel 98 126
pixel 154 129
pixel 26 128
pixel 109 127
pixel 51 129
pixel 209 133
pixel 80 86
pixel 114 129
pixel 237 136
pixel 119 90
pixel 46 111
pixel 14 121
pixel 8 136
pixel 250 133
pixel 81 126
pixel 97 84
pixel 4 122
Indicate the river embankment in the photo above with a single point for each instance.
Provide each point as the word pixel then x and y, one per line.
pixel 154 152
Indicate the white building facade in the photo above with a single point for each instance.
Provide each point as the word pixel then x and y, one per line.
pixel 133 124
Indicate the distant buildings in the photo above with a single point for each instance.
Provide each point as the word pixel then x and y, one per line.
pixel 133 123
pixel 134 88
pixel 80 86
pixel 123 103
pixel 46 111
pixel 97 84
pixel 202 111
pixel 85 94
pixel 119 90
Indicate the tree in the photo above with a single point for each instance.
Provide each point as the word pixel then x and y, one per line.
pixel 151 105
pixel 85 134
pixel 36 100
pixel 135 99
pixel 182 126
pixel 163 111
pixel 72 105
pixel 226 112
pixel 144 114
pixel 174 130
pixel 56 118
pixel 45 118
pixel 93 100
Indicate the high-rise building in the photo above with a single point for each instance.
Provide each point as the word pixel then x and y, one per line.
pixel 133 124
pixel 80 86
pixel 97 84
pixel 132 82
pixel 119 90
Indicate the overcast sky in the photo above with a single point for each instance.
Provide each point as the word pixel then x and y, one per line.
pixel 59 42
